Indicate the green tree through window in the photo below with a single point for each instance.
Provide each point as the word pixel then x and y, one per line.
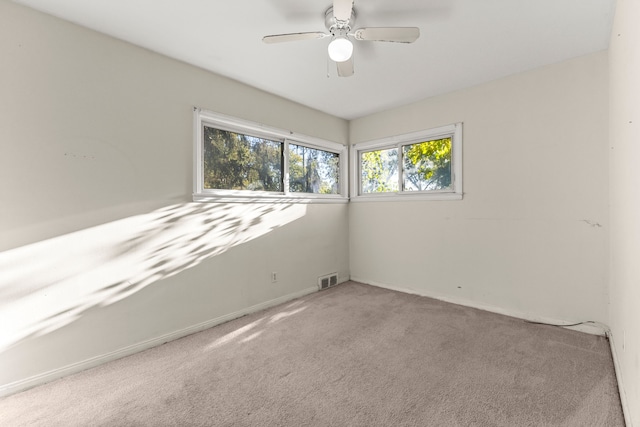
pixel 379 171
pixel 427 165
pixel 313 171
pixel 234 161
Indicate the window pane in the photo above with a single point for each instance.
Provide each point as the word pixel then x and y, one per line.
pixel 427 165
pixel 379 171
pixel 313 171
pixel 233 161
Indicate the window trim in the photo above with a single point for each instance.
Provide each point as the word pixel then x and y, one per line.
pixel 397 141
pixel 232 124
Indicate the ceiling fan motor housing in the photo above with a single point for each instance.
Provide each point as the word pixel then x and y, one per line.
pixel 337 27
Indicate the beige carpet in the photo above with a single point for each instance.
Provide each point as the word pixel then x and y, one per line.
pixel 353 355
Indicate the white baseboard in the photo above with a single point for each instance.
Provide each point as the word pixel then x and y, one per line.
pixel 21 385
pixel 623 396
pixel 590 328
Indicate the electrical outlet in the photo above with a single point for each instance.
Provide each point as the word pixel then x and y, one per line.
pixel 274 277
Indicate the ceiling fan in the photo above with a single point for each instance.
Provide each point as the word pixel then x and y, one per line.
pixel 339 20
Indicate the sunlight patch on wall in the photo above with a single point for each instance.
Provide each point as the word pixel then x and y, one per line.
pixel 48 284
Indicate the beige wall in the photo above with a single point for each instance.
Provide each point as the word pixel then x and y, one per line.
pixel 530 236
pixel 101 249
pixel 624 65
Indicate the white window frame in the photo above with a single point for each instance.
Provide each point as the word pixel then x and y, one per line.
pixel 454 193
pixel 232 124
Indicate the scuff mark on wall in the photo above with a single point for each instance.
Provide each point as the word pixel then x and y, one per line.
pixel 592 223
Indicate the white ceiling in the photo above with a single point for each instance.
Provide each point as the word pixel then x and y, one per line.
pixel 462 42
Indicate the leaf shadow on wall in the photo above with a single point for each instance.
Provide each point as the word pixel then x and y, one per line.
pixel 49 284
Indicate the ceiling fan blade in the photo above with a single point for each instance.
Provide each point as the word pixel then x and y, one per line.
pixel 342 9
pixel 388 34
pixel 345 69
pixel 279 38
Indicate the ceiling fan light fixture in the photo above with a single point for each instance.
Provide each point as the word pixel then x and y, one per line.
pixel 340 49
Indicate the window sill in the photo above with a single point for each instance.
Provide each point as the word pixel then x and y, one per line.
pixel 406 197
pixel 268 198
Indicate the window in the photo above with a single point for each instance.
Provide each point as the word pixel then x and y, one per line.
pixel 240 160
pixel 234 161
pixel 313 171
pixel 421 165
